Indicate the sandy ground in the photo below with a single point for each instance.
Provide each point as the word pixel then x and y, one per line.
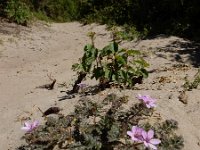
pixel 28 55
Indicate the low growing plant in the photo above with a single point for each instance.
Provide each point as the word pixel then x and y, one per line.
pixel 105 125
pixel 128 33
pixel 189 85
pixel 124 67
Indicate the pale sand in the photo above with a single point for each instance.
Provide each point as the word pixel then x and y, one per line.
pixel 27 55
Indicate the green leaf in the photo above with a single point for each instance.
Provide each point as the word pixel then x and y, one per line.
pixel 133 52
pixel 105 51
pixel 142 62
pixel 123 74
pixel 114 47
pixel 97 73
pixel 115 77
pixel 89 57
pixel 144 73
pixel 76 66
pixel 120 60
pixel 107 72
pixel 88 47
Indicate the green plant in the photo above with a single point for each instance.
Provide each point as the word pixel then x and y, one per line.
pixel 100 125
pixel 166 132
pixel 193 84
pixel 112 65
pixel 128 33
pixel 60 10
pixel 41 16
pixel 18 11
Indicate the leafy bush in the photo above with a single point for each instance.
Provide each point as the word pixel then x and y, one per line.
pixel 60 10
pixel 112 65
pixel 18 11
pixel 101 125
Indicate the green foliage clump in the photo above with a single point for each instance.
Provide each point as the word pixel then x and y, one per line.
pixel 101 125
pixel 60 10
pixel 111 64
pixel 130 33
pixel 18 12
pixel 177 17
pixel 165 132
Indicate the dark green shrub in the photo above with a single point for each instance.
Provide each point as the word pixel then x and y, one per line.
pixel 18 11
pixel 60 10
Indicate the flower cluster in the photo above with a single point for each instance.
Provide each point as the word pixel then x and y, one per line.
pixel 28 126
pixel 138 134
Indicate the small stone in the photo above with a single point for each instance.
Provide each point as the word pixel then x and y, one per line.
pixel 183 97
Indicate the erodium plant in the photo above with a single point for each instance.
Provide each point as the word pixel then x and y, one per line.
pixel 111 65
pixel 105 124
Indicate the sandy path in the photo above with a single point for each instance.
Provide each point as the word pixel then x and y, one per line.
pixel 26 60
pixel 27 55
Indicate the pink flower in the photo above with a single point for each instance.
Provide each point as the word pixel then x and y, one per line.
pixel 136 134
pixel 82 85
pixel 28 127
pixel 147 100
pixel 148 139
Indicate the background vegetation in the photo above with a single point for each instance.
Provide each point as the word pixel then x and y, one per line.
pixel 177 17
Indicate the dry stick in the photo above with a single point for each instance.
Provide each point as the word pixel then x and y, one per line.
pixel 40 110
pixel 51 86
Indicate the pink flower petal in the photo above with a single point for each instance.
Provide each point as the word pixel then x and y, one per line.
pixel 139 96
pixel 150 134
pixel 25 128
pixel 147 100
pixel 148 106
pixel 130 133
pixel 155 141
pixel 152 146
pixel 35 123
pixel 144 134
pixel 134 129
pixel 146 144
pixel 134 139
pixel 27 124
pixel 152 104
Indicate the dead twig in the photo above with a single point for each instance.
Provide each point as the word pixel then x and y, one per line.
pixel 48 86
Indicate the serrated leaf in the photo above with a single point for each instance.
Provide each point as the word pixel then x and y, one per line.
pixel 114 47
pixel 120 60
